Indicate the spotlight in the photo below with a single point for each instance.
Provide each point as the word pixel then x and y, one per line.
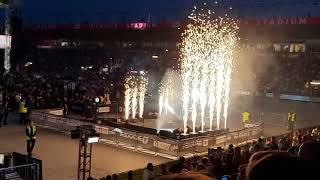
pixel 155 57
pixel 97 100
pixel 28 64
pixel 93 139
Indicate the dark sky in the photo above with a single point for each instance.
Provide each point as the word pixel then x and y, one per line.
pixel 75 11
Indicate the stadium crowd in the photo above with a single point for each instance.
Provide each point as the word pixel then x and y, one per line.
pixel 288 157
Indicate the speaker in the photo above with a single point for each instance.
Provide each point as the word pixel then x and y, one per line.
pixel 75 134
pixel 167 134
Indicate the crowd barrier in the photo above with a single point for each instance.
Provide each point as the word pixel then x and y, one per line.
pixel 148 143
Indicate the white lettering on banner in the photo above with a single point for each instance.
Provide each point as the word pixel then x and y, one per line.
pixel 105 130
pixel 142 139
pixel 165 146
pixel 221 139
pixel 198 142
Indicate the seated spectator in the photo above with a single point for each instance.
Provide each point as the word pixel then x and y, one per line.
pixel 108 177
pixel 115 177
pixel 261 143
pixel 164 170
pixel 201 167
pixel 205 162
pixel 237 159
pixel 215 169
pixel 130 175
pixel 242 172
pixel 272 144
pixel 310 151
pixel 148 173
pixel 177 168
pixel 274 165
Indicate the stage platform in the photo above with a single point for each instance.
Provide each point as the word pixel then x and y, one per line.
pixel 143 137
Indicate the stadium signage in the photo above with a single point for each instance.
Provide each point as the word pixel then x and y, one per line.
pixel 279 21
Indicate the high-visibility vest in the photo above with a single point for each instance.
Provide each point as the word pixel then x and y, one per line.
pixel 22 108
pixel 31 130
pixel 292 116
pixel 245 117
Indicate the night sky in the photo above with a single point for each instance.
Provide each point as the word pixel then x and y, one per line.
pixel 107 11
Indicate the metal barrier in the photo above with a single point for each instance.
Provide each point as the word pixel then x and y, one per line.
pixel 148 143
pixel 25 172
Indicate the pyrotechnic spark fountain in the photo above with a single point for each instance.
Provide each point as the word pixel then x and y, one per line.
pixel 142 92
pixel 134 102
pixel 206 65
pixel 127 98
pixel 135 90
pixel 165 93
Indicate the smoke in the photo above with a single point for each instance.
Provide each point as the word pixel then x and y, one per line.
pixel 169 99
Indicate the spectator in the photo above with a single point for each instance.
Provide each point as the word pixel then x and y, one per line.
pixel 237 159
pixel 164 170
pixel 115 176
pixel 177 168
pixel 310 151
pixel 274 165
pixel 272 144
pixel 130 175
pixel 148 173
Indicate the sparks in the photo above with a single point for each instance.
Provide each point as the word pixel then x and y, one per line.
pixel 135 90
pixel 206 68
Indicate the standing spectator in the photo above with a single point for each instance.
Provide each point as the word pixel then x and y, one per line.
pixel 31 132
pixel 23 110
pixel 5 109
pixel 65 107
pixel 148 173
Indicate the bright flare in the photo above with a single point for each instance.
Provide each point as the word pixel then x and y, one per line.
pixel 206 64
pixel 135 90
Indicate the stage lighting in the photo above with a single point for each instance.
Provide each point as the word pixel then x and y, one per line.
pixel 93 139
pixel 28 64
pixel 315 82
pixel 155 57
pixel 97 100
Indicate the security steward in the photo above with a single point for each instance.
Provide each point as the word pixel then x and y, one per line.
pixel 31 132
pixel 291 119
pixel 23 111
pixel 245 118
